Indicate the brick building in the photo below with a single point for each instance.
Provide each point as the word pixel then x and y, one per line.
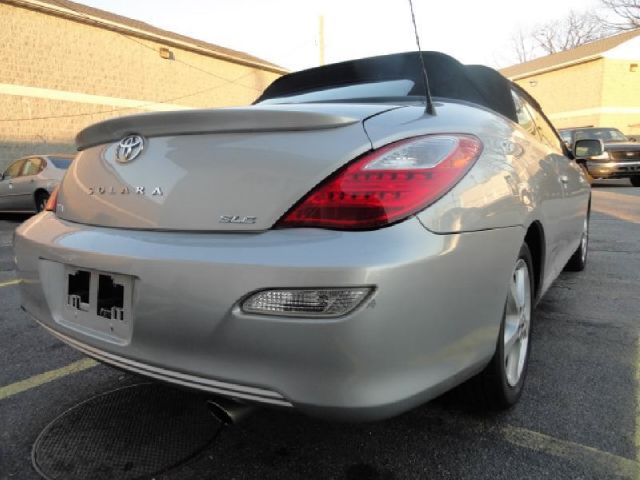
pixel 66 65
pixel 596 84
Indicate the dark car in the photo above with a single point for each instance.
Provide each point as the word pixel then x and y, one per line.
pixel 621 157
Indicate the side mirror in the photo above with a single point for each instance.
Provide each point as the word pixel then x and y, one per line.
pixel 588 148
pixel 633 139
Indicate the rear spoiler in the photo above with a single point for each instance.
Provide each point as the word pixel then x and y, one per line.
pixel 223 120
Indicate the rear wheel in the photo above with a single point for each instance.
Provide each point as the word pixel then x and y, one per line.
pixel 41 200
pixel 635 181
pixel 501 382
pixel 578 260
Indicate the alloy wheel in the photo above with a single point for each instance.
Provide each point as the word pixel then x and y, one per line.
pixel 584 242
pixel 517 323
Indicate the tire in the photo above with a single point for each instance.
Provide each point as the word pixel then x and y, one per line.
pixel 635 181
pixel 578 260
pixel 41 201
pixel 500 384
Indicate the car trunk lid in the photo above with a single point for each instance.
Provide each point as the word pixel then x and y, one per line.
pixel 210 170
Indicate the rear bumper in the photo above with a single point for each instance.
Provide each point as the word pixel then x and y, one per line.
pixel 240 392
pixel 432 322
pixel 613 169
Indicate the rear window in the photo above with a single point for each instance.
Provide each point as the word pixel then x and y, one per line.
pixel 390 88
pixel 60 162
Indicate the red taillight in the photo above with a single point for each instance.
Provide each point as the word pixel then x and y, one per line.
pixel 50 206
pixel 388 184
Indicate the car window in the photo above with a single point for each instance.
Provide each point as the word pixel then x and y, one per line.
pixel 391 88
pixel 60 162
pixel 566 137
pixel 31 166
pixel 14 169
pixel 545 130
pixel 604 134
pixel 524 117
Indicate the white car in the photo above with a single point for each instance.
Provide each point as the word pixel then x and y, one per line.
pixel 25 185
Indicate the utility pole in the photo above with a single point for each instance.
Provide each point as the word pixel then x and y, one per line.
pixel 321 38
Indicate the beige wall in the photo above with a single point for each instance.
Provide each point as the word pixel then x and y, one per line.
pixel 602 92
pixel 622 95
pixel 81 73
pixel 621 84
pixel 572 89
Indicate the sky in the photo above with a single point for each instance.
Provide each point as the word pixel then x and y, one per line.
pixel 285 32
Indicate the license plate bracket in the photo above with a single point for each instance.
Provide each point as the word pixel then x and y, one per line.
pixel 98 302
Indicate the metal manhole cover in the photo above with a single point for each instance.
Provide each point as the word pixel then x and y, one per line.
pixel 130 433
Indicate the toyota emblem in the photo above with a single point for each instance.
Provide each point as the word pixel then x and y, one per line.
pixel 129 148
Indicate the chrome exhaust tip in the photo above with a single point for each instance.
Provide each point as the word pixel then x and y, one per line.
pixel 228 411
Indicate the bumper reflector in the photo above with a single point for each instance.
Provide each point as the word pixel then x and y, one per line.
pixel 320 302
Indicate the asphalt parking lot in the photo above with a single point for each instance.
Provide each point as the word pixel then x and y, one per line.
pixel 578 417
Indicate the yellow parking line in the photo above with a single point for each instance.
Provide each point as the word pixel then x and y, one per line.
pixel 46 377
pixel 9 283
pixel 592 459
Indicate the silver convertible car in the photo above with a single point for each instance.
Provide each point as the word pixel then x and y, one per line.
pixel 26 184
pixel 336 247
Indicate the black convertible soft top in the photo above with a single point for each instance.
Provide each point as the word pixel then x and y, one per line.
pixel 448 78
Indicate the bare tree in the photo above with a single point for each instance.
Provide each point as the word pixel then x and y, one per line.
pixel 522 46
pixel 626 12
pixel 576 29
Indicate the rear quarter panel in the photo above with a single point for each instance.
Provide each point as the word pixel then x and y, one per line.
pixel 515 182
pixel 496 192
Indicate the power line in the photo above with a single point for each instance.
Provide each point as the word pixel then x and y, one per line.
pixel 195 67
pixel 154 50
pixel 137 107
pixel 142 105
pixel 114 110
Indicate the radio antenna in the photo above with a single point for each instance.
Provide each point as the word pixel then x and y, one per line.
pixel 430 108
